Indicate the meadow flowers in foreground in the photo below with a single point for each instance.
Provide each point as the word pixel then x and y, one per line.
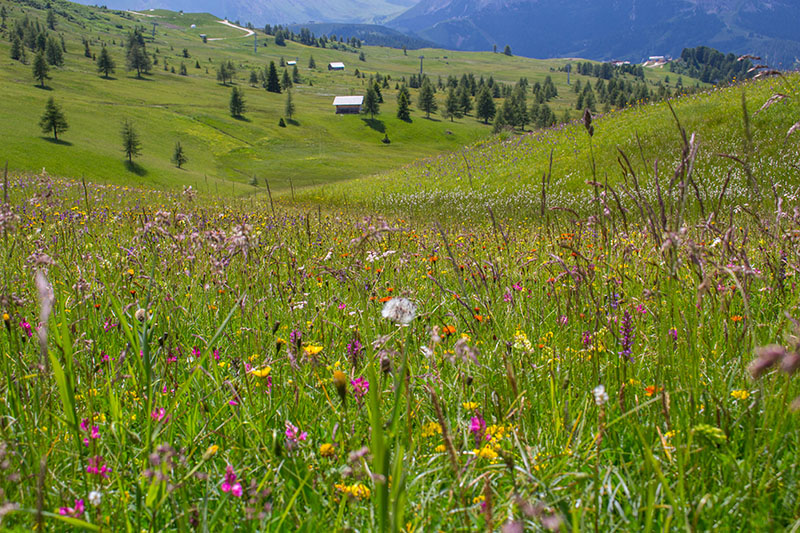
pixel 178 363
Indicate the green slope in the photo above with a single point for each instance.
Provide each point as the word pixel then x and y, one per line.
pixel 225 153
pixel 505 173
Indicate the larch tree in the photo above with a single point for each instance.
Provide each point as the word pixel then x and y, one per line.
pixel 130 141
pixel 40 68
pixel 427 98
pixel 53 120
pixel 105 64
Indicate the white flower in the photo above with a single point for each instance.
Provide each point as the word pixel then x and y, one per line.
pixel 400 310
pixel 600 395
pixel 95 498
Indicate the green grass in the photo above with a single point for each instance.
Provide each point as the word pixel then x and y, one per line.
pixel 225 153
pixel 506 171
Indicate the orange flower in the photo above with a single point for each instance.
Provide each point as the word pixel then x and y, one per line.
pixel 652 389
pixel 385 299
pixel 449 330
pixel 736 318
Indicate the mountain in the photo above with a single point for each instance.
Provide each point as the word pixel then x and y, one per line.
pixel 369 34
pixel 609 29
pixel 261 12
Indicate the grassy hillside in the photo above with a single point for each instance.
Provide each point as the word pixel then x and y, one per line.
pixel 225 153
pixel 505 173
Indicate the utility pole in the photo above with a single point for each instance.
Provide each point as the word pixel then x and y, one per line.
pixel 154 29
pixel 568 69
pixel 255 43
pixel 420 64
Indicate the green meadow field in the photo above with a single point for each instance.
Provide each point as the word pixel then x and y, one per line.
pixel 591 327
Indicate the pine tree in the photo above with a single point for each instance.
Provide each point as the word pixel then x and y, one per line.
pixel 178 155
pixel 484 106
pixel 288 110
pixel 130 141
pixel 295 75
pixel 237 103
pixel 286 81
pixel 53 52
pixel 273 85
pixel 253 78
pixel 311 63
pixel 137 58
pixel 427 98
pixel 464 101
pixel 183 69
pixel 51 19
pixel 87 52
pixel 507 50
pixel 105 63
pixel 3 16
pixel 371 104
pixel 451 105
pixel 40 68
pixel 53 119
pixel 403 104
pixel 376 86
pixel 16 49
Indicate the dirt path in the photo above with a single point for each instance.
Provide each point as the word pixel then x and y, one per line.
pixel 230 24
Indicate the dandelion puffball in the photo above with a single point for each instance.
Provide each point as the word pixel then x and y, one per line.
pixel 399 310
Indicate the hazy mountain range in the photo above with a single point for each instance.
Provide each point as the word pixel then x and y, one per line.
pixel 593 29
pixel 261 12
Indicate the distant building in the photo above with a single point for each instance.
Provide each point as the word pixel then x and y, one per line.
pixel 656 58
pixel 348 105
pixel 335 66
pixel 291 63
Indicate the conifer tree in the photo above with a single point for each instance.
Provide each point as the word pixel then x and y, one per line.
pixel 289 109
pixel 253 78
pixel 427 98
pixel 464 100
pixel 403 104
pixel 451 105
pixel 295 75
pixel 53 52
pixel 237 103
pixel 273 84
pixel 484 107
pixel 105 63
pixel 16 48
pixel 130 141
pixel 53 120
pixel 136 56
pixel 311 63
pixel 286 82
pixel 40 68
pixel 179 156
pixel 371 104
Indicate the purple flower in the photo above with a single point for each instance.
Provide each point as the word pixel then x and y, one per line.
pixel 26 328
pixel 229 483
pixel 673 333
pixel 74 512
pixel 477 425
pixel 360 388
pixel 626 332
pixel 293 435
pixel 98 467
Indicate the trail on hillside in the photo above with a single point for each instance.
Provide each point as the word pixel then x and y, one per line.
pixel 230 24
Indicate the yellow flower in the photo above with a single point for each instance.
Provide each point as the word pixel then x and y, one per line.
pixel 358 491
pixel 210 452
pixel 439 449
pixel 261 372
pixel 6 318
pixel 487 452
pixel 740 394
pixel 327 450
pixel 470 406
pixel 312 349
pixel 430 429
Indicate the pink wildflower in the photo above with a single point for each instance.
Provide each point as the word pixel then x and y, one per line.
pixel 74 512
pixel 360 388
pixel 229 484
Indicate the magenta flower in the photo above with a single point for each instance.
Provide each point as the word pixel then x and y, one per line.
pixel 673 333
pixel 507 297
pixel 98 467
pixel 26 328
pixel 229 484
pixel 159 414
pixel 360 388
pixel 74 512
pixel 477 425
pixel 293 435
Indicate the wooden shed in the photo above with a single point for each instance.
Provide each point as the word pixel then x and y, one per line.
pixel 348 105
pixel 336 66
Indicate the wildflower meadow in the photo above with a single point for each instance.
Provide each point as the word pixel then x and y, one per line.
pixel 177 362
